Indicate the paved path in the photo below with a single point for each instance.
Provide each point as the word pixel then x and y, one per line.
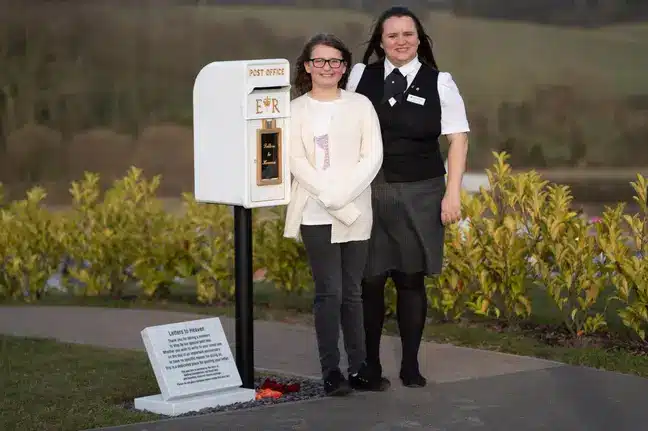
pixel 278 346
pixel 469 389
pixel 552 399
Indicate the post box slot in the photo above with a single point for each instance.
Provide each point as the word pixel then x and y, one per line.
pixel 276 87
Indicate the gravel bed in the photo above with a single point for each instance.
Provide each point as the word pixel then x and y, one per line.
pixel 309 389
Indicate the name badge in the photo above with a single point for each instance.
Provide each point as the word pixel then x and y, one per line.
pixel 415 99
pixel 392 101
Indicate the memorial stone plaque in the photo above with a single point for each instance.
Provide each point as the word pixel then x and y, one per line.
pixel 194 367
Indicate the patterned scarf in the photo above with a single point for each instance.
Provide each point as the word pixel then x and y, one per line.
pixel 323 143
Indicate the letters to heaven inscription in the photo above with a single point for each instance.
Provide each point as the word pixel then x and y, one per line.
pixel 191 358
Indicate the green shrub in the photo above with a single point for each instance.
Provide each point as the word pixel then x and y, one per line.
pixel 209 239
pixel 450 292
pixel 29 251
pixel 284 259
pixel 565 260
pixel 623 238
pixel 520 234
pixel 111 241
pixel 499 257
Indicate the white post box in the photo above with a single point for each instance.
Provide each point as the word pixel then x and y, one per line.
pixel 241 137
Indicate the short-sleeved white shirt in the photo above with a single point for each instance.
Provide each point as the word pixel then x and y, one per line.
pixel 453 110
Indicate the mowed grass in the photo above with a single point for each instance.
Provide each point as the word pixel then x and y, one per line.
pixel 51 386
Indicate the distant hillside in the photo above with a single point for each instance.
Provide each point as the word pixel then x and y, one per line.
pixel 578 13
pixel 585 13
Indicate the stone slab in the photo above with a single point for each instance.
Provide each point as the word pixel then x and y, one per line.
pixel 156 404
pixel 190 358
pixel 556 399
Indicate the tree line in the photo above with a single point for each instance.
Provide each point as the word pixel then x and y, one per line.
pixel 583 13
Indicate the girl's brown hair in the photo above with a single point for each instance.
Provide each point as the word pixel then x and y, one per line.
pixel 303 83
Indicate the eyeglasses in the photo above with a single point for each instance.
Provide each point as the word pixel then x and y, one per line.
pixel 334 63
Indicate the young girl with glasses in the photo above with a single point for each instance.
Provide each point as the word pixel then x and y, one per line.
pixel 335 153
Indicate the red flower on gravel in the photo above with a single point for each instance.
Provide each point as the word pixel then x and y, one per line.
pixel 280 387
pixel 267 393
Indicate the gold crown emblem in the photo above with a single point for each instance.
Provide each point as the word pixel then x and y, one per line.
pixel 266 101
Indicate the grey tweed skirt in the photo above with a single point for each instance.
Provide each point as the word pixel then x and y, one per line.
pixel 407 233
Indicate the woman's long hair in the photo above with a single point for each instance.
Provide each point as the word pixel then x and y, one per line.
pixel 425 47
pixel 303 83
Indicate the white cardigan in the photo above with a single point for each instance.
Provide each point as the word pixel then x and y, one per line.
pixel 356 154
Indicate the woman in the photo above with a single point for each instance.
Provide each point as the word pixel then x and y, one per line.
pixel 336 151
pixel 411 201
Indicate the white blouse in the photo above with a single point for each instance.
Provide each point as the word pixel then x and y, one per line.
pixel 321 115
pixel 453 110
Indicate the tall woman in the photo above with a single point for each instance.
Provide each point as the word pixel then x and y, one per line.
pixel 336 151
pixel 416 103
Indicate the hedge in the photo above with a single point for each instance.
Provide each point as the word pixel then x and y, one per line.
pixel 520 234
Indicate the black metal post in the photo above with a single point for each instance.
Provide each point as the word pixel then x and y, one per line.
pixel 243 295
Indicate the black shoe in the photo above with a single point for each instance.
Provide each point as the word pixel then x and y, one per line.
pixel 412 379
pixel 336 385
pixel 368 380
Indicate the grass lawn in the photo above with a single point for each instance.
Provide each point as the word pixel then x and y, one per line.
pixel 51 386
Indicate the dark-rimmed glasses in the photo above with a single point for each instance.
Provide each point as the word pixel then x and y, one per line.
pixel 334 63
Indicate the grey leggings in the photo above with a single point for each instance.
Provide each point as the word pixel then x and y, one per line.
pixel 337 272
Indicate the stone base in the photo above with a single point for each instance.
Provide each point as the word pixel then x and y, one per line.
pixel 155 403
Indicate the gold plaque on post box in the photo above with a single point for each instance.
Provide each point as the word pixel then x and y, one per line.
pixel 269 164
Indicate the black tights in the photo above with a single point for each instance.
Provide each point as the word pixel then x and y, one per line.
pixel 411 310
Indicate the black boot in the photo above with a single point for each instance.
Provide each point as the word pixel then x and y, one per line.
pixel 335 385
pixel 373 307
pixel 411 312
pixel 368 379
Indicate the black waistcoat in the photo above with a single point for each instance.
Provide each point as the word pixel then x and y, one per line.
pixel 410 131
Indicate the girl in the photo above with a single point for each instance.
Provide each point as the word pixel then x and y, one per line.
pixel 335 153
